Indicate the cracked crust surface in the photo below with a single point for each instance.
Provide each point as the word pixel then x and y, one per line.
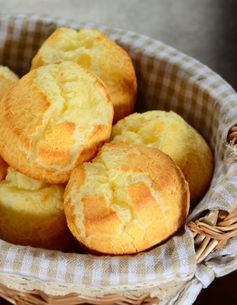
pixel 52 119
pixel 96 52
pixel 7 78
pixel 128 199
pixel 32 212
pixel 171 134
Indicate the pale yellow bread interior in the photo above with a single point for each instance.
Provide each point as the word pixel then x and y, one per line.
pixel 7 78
pixel 171 134
pixel 95 51
pixel 32 213
pixel 52 119
pixel 128 199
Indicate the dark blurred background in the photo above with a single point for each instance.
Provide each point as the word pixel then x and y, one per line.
pixel 203 29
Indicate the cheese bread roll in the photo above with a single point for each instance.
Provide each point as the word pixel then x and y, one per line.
pixel 171 134
pixel 32 213
pixel 53 119
pixel 96 52
pixel 128 199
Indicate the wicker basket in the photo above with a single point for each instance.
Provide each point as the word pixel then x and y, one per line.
pixel 176 271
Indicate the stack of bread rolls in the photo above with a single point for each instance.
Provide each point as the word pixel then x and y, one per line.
pixel 58 171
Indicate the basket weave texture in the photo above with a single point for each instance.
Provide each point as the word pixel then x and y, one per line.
pixel 169 80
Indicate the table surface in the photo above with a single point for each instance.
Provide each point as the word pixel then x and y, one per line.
pixel 204 29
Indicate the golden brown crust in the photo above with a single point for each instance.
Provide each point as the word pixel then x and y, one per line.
pixel 7 78
pixel 95 51
pixel 128 199
pixel 171 134
pixel 53 119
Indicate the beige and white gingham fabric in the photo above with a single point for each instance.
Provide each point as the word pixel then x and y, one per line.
pixel 167 79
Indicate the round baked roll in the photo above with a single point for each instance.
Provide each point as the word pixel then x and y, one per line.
pixel 128 199
pixel 171 134
pixel 32 213
pixel 7 77
pixel 95 51
pixel 52 119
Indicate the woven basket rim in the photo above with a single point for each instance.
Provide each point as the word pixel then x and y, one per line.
pixel 118 31
pixel 73 23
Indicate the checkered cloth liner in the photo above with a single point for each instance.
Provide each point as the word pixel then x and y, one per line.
pixel 167 79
